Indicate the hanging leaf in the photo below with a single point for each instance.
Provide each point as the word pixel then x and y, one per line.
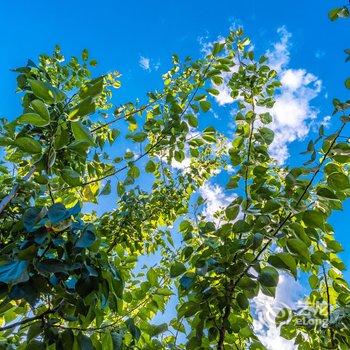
pixel 81 133
pixel 298 247
pixel 313 218
pixel 338 181
pixel 28 144
pixel 86 239
pixel 42 90
pixel 84 108
pixel 40 108
pixel 177 269
pixel 33 119
pixel 57 213
pixel 205 105
pixel 347 83
pixel 31 217
pixel 92 89
pixel 150 167
pixel 13 272
pixel 134 330
pixel 71 177
pixel 232 212
pixel 268 277
pixel 242 301
pixel 106 189
pixel 284 261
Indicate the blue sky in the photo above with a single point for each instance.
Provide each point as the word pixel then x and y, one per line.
pixel 131 36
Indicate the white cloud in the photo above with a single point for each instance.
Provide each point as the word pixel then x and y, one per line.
pixel 184 165
pixel 319 54
pixel 292 113
pixel 147 64
pixel 288 294
pixel 216 199
pixel 280 55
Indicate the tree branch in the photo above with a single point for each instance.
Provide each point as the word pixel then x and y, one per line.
pixel 159 140
pixel 280 226
pixel 30 319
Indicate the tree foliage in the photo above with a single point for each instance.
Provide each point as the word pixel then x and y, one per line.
pixel 70 279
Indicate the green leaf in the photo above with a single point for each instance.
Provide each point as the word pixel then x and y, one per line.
pixel 188 309
pixel 13 272
pixel 40 108
pixel 120 188
pixel 284 261
pixel 313 281
pixel 232 212
pixel 298 247
pixel 107 341
pixel 86 239
pixel 84 342
pixel 154 330
pixel 242 301
pixel 134 172
pixel 134 330
pixel 266 118
pixel 48 266
pixel 247 283
pixel 347 83
pixel 61 138
pixel 71 177
pixel 326 193
pixel 85 107
pixel 117 338
pixel 42 90
pixel 34 330
pixel 313 218
pixel 28 144
pixel 186 282
pixel 36 345
pixel 81 133
pixel 257 240
pixel 177 269
pixel 268 277
pixel 164 291
pixel 106 189
pixel 33 119
pixel 205 105
pixel 150 166
pixel 92 89
pixel 218 47
pixel 192 120
pixel 152 276
pixel 267 134
pixel 32 217
pixel 338 181
pixel 85 55
pixel 57 213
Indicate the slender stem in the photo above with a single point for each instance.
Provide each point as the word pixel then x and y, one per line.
pixel 225 316
pixel 129 114
pixel 328 304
